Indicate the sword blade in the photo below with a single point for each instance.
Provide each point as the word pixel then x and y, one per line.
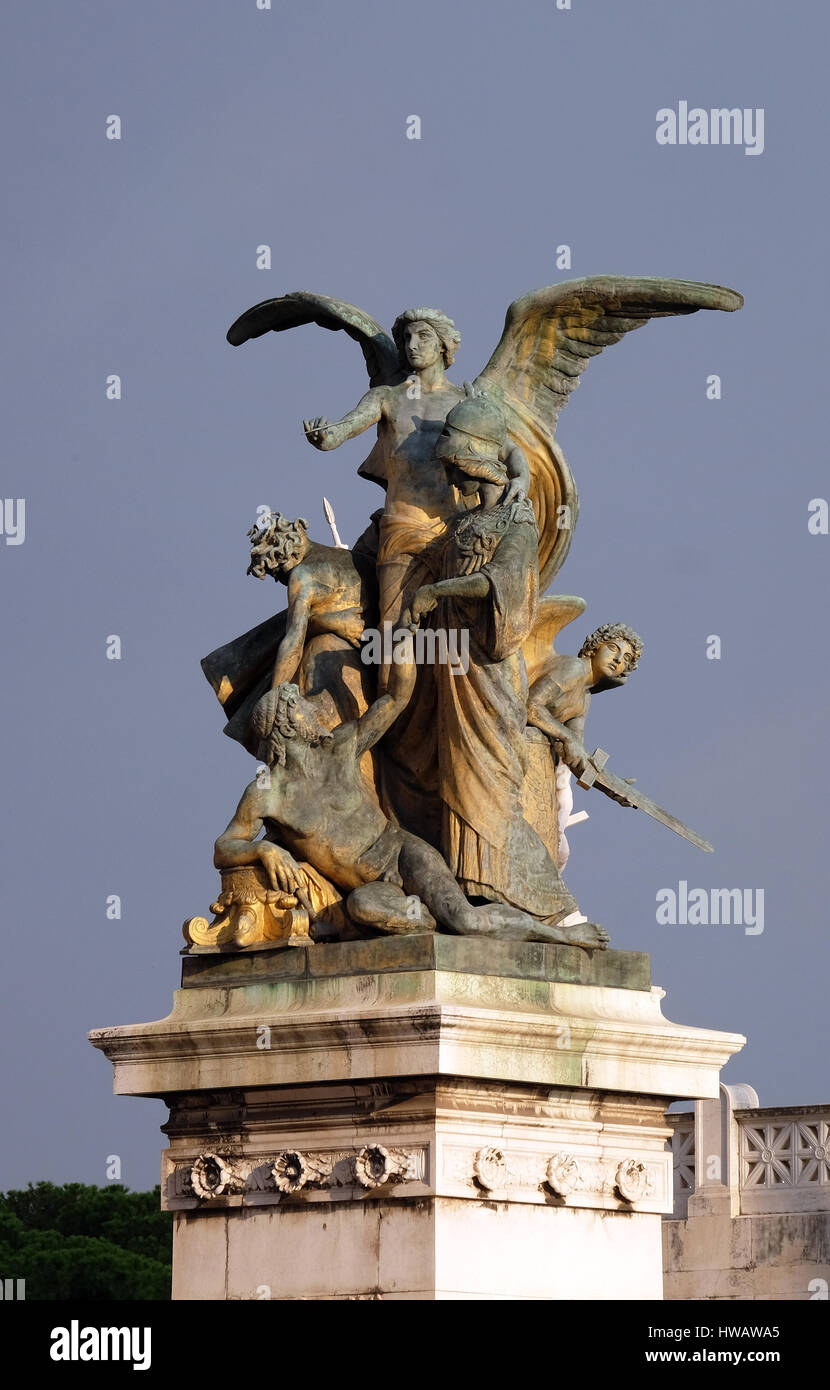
pixel 607 781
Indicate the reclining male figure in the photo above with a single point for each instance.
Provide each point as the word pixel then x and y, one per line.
pixel 319 811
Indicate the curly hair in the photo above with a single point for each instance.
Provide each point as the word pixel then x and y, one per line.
pixel 277 541
pixel 274 719
pixel 447 333
pixel 613 632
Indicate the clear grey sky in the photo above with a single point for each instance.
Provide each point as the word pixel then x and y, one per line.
pixel 288 127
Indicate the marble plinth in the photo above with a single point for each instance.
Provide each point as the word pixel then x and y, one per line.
pixel 420 1117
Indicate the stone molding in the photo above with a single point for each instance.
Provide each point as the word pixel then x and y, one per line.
pixel 375 1026
pixel 212 1177
pixel 590 1178
pixel 488 1173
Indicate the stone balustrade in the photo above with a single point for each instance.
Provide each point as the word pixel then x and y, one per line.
pixel 776 1160
pixel 751 1213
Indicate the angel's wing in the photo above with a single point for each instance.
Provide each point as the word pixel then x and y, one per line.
pixel 554 613
pixel 549 337
pixel 292 310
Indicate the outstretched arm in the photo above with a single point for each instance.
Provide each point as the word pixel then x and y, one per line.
pixel 290 650
pixel 238 844
pixel 368 411
pixel 382 714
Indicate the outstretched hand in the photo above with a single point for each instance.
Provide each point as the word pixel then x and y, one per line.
pixel 315 430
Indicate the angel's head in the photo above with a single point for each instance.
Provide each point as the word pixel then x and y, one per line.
pixel 423 335
pixel 278 546
pixel 613 651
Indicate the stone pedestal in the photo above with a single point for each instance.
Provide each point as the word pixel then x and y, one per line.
pixel 422 1117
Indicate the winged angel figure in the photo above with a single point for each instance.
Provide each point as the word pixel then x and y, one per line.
pixel 550 335
pixel 455 766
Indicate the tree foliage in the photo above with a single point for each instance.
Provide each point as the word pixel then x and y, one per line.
pixel 84 1242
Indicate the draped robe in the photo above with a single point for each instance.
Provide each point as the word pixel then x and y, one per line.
pixel 462 741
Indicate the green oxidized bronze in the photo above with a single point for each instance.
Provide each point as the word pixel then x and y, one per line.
pixel 412 792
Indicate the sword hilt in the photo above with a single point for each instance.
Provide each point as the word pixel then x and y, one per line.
pixel 597 762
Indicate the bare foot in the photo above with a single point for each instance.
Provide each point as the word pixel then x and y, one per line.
pixel 588 934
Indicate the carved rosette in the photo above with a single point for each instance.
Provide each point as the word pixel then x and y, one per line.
pixel 291 1172
pixel 490 1169
pixel 374 1166
pixel 563 1174
pixel 211 1176
pixel 633 1180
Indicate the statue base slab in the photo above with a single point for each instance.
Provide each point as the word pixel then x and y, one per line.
pixel 424 1117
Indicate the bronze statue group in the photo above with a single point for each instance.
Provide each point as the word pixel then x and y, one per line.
pixel 407 796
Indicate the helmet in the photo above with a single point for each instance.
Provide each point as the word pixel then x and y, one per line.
pixel 474 436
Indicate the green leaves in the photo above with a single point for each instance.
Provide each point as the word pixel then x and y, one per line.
pixel 85 1242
